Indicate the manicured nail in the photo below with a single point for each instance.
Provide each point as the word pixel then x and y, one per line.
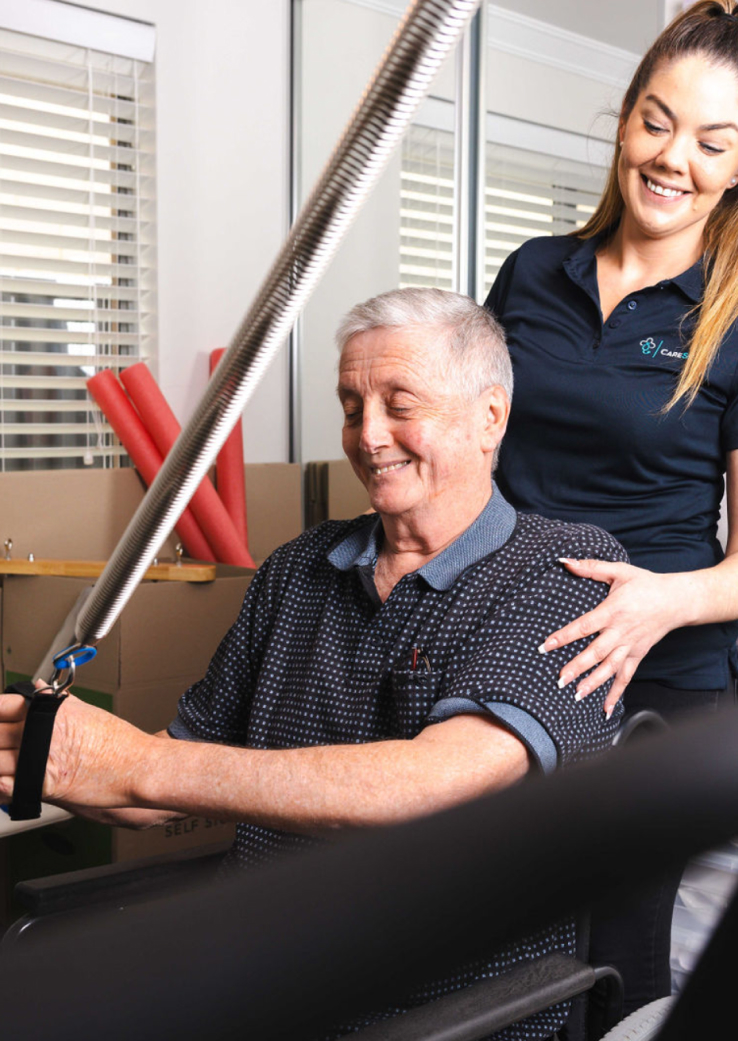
pixel 580 694
pixel 566 560
pixel 562 682
pixel 609 711
pixel 542 649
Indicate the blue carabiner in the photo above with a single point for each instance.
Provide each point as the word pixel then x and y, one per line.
pixel 67 661
pixel 73 656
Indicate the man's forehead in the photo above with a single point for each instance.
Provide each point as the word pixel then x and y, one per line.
pixel 389 344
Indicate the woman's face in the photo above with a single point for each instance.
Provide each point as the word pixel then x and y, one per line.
pixel 679 149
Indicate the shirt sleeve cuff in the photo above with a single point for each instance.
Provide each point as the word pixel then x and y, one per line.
pixel 178 729
pixel 515 719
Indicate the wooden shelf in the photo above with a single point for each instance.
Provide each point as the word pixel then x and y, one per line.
pixel 166 572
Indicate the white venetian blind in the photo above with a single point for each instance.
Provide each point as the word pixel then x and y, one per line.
pixel 77 245
pixel 527 194
pixel 427 208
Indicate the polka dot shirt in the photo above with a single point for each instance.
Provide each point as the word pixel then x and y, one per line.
pixel 315 658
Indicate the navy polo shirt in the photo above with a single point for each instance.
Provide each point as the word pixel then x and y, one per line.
pixel 316 658
pixel 588 439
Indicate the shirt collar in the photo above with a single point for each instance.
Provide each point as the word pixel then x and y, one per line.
pixel 581 260
pixel 581 266
pixel 485 535
pixel 692 281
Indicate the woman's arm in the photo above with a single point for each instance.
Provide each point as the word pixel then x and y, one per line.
pixel 642 607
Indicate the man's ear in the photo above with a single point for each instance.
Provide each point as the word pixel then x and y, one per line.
pixel 496 415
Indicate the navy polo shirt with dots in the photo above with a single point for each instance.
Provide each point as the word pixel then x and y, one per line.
pixel 588 439
pixel 315 658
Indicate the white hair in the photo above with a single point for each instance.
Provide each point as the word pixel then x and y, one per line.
pixel 476 352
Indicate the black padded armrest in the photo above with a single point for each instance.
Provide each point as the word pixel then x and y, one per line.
pixel 133 879
pixel 489 1005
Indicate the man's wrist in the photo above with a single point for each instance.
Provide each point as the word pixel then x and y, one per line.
pixel 146 780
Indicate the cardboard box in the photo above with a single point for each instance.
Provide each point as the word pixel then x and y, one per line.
pixel 160 645
pixel 170 838
pixel 333 492
pixel 273 506
pixel 69 514
pixel 162 642
pixel 82 514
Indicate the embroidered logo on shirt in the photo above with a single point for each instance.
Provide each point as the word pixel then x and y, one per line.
pixel 650 348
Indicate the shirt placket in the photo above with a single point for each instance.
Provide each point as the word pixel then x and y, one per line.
pixel 620 323
pixel 373 661
pixel 587 283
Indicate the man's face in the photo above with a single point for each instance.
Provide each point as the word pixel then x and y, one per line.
pixel 415 443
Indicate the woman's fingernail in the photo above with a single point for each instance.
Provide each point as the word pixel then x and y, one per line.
pixel 580 694
pixel 542 649
pixel 566 560
pixel 562 682
pixel 609 711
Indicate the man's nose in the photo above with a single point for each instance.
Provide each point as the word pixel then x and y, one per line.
pixel 375 431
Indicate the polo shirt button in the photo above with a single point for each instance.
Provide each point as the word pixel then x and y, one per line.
pixel 614 323
pixel 632 304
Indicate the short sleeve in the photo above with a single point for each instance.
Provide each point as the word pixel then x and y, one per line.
pixel 497 296
pixel 729 420
pixel 504 666
pixel 217 707
pixel 513 718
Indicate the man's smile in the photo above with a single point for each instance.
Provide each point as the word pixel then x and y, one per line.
pixel 377 470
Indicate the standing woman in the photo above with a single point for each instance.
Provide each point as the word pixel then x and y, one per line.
pixel 625 350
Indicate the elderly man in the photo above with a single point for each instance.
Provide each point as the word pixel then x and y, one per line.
pixel 384 667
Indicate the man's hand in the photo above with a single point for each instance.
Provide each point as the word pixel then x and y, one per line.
pixel 640 609
pixel 93 760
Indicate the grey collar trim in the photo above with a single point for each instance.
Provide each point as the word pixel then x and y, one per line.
pixel 491 530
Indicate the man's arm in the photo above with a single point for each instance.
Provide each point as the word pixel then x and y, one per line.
pixel 99 762
pixel 137 819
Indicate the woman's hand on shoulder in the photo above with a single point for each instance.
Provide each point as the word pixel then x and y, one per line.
pixel 639 610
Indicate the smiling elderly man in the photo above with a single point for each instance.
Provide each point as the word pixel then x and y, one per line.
pixel 384 667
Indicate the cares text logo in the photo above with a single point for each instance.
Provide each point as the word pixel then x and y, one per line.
pixel 651 348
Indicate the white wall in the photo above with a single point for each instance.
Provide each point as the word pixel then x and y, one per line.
pixel 630 24
pixel 222 160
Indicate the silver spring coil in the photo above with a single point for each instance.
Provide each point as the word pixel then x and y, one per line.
pixel 424 38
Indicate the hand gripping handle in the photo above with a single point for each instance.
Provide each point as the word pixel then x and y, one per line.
pixel 34 750
pixel 43 705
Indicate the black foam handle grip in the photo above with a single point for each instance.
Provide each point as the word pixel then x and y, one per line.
pixel 34 750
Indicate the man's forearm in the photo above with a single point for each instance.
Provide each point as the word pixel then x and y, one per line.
pixel 323 788
pixel 98 762
pixel 137 819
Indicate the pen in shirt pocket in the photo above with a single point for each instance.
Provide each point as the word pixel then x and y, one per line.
pixel 418 654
